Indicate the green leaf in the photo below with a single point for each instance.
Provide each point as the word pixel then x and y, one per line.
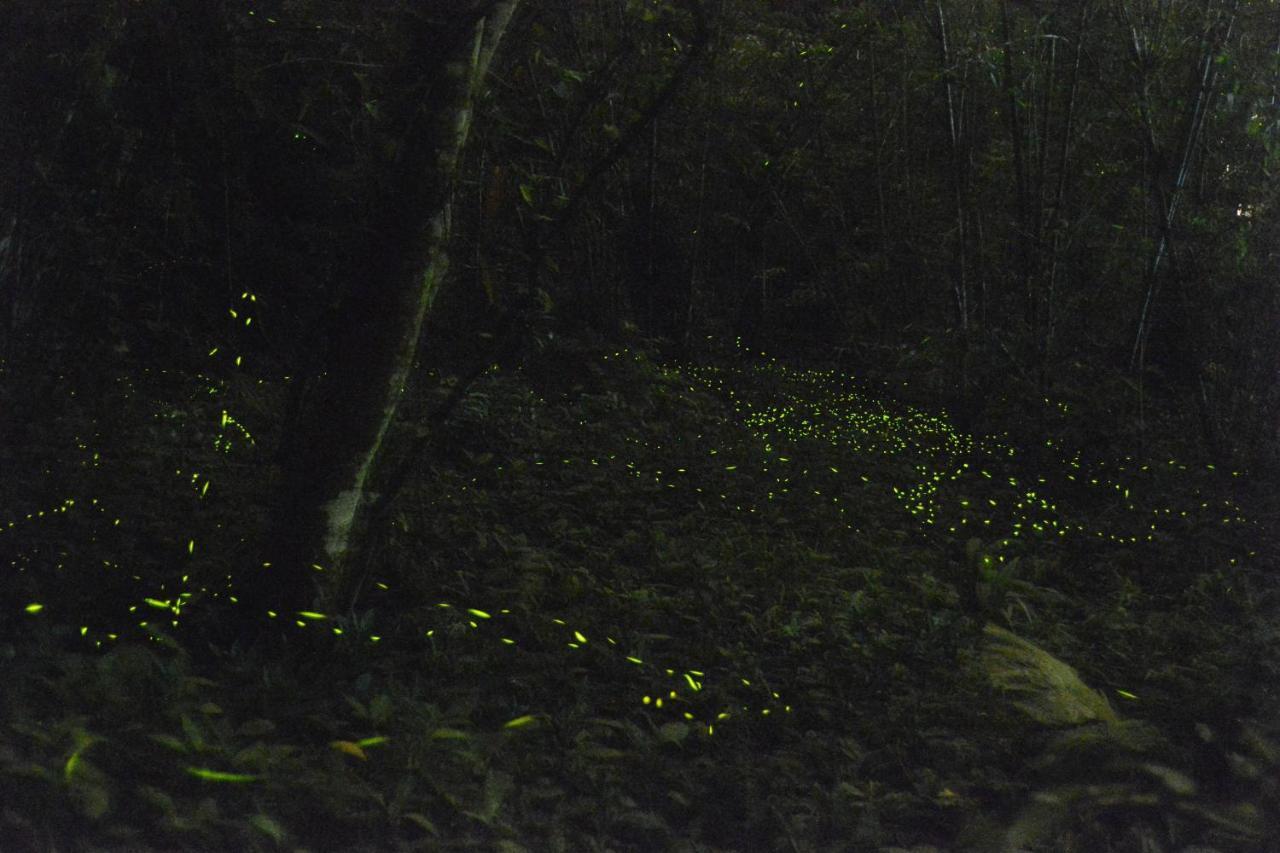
pixel 673 733
pixel 422 822
pixel 380 709
pixel 267 826
pixel 174 743
pixel 449 734
pixel 257 728
pixel 194 736
pixel 94 800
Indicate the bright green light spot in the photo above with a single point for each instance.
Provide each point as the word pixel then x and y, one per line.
pixel 519 722
pixel 34 608
pixel 479 614
pixel 72 763
pixel 219 776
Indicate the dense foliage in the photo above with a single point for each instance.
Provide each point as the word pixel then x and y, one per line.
pixel 664 606
pixel 843 426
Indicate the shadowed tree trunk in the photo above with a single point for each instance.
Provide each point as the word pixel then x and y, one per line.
pixel 335 446
pixel 1055 221
pixel 956 133
pixel 1170 179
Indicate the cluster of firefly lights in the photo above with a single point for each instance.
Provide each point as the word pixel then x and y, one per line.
pixel 230 435
pixel 822 407
pixel 802 405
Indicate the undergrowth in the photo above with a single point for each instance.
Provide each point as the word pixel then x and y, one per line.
pixel 633 606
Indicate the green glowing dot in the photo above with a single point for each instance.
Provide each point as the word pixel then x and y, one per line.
pixel 219 776
pixel 520 722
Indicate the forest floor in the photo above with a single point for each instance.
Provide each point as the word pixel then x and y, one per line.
pixel 627 606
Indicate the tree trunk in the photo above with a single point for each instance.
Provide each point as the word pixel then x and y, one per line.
pixel 1165 188
pixel 955 135
pixel 1057 210
pixel 335 447
pixel 1018 145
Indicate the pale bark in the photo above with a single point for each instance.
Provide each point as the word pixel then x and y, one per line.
pixel 338 444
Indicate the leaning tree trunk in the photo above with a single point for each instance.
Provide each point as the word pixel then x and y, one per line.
pixel 334 449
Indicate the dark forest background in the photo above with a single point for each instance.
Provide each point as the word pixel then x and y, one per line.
pixel 989 199
pixel 281 247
